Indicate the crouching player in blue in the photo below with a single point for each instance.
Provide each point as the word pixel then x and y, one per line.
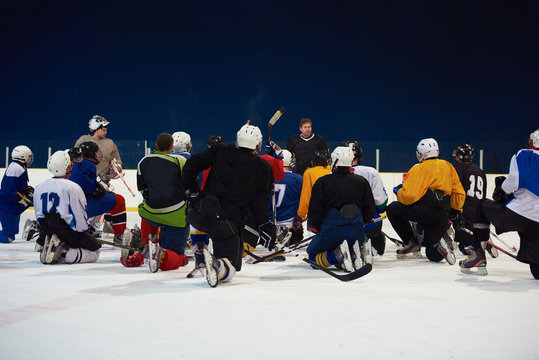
pixel 340 204
pixel 99 200
pixel 15 194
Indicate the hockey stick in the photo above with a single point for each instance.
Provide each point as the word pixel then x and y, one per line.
pixel 362 271
pixel 274 119
pixel 272 122
pixel 396 241
pixel 30 203
pixel 105 242
pixel 121 175
pixel 192 272
pixel 492 244
pixel 502 250
pixel 513 248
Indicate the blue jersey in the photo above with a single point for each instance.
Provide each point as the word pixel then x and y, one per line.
pixel 15 180
pixel 84 174
pixel 287 194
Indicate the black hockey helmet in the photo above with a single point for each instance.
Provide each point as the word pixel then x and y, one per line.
pixel 215 140
pixel 89 150
pixel 356 148
pixel 320 158
pixel 463 152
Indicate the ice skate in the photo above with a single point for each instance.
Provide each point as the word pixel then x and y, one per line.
pixel 444 248
pixel 355 253
pixel 366 252
pixel 410 251
pixel 342 254
pixel 284 236
pixel 212 267
pixel 54 251
pixel 31 230
pixel 44 249
pixel 155 253
pixel 475 263
pixel 492 251
pixel 126 241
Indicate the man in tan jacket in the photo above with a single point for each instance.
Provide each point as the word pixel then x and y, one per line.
pixel 98 128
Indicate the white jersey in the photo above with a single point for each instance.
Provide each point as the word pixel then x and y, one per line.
pixel 523 183
pixel 62 196
pixel 375 181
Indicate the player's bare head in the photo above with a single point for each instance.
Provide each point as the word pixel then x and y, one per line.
pixel 164 142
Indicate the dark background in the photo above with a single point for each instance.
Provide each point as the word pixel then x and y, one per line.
pixel 385 73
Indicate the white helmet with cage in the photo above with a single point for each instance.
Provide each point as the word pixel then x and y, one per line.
pixel 534 139
pixel 23 154
pixel 287 157
pixel 182 142
pixel 97 122
pixel 342 156
pixel 426 149
pixel 249 137
pixel 59 163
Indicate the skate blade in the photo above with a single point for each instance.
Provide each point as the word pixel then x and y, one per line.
pixel 451 258
pixel 153 263
pixel 211 273
pixel 412 255
pixel 480 271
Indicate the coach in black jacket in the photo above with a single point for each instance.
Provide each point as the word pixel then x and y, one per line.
pixel 304 145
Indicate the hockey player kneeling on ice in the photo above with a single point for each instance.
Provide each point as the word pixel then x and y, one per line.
pixel 158 178
pixel 15 194
pixel 515 208
pixel 430 195
pixel 61 212
pixel 99 199
pixel 237 188
pixel 340 204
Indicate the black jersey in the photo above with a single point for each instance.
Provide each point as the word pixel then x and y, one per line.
pixel 241 180
pixel 339 189
pixel 303 149
pixel 474 182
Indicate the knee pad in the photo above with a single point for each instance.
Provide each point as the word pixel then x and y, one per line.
pixel 226 270
pixel 433 254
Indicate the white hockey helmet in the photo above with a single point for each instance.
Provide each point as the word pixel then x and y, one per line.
pixel 249 137
pixel 426 149
pixel 287 157
pixel 59 163
pixel 97 122
pixel 23 154
pixel 534 139
pixel 182 142
pixel 342 156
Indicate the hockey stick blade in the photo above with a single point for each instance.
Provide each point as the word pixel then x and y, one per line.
pixel 364 270
pixel 276 116
pixel 194 271
pixel 274 119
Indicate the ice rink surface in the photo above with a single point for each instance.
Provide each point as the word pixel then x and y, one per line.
pixel 403 309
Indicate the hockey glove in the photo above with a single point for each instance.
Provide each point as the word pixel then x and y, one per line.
pixel 297 222
pixel 24 201
pixel 268 235
pixel 456 218
pixel 396 189
pixel 115 170
pixel 274 150
pixel 499 195
pixel 29 193
pixel 134 260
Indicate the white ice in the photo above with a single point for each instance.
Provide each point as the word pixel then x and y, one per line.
pixel 403 309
